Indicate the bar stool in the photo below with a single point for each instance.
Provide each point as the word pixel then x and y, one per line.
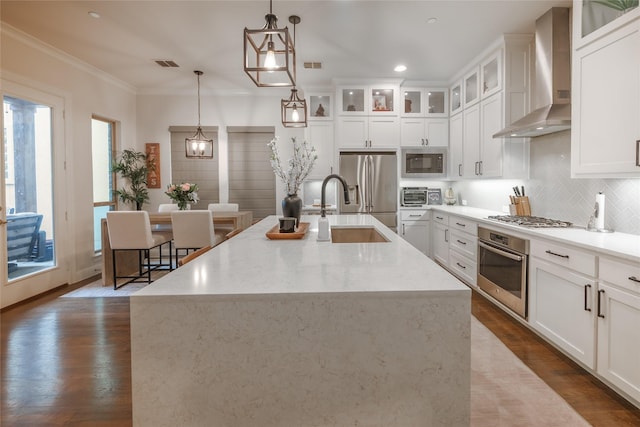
pixel 193 230
pixel 131 231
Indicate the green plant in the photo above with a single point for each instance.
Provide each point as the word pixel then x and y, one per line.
pixel 621 5
pixel 133 166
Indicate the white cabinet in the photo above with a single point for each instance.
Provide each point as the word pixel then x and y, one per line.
pixel 463 246
pixel 424 102
pixel 562 308
pixel 414 228
pixel 440 239
pixel 368 116
pixel 496 91
pixel 605 128
pixel 454 245
pixel 361 100
pixel 618 314
pixel 417 131
pixel 456 141
pixel 367 132
pixel 320 135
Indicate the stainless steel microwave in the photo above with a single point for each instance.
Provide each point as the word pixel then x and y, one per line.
pixel 424 162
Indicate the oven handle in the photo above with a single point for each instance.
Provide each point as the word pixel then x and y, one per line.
pixel 500 252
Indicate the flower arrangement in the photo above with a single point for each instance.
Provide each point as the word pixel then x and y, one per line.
pixel 183 194
pixel 300 165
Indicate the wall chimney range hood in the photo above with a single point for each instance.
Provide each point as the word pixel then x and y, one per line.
pixel 552 96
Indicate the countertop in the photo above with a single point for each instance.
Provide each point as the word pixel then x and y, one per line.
pixel 251 264
pixel 621 245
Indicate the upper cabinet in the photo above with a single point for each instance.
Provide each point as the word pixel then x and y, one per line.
pixel 456 98
pixel 376 99
pixel 320 106
pixel 605 129
pixel 491 75
pixel 472 87
pixel 424 102
pixel 495 91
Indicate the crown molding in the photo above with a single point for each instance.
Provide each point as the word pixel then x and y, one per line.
pixel 7 30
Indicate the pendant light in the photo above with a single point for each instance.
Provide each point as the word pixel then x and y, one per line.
pixel 269 54
pixel 199 146
pixel 294 109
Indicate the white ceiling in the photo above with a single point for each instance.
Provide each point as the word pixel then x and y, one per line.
pixel 352 39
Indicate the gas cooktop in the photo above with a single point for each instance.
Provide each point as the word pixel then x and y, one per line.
pixel 530 221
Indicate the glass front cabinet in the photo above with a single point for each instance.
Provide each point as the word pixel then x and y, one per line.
pixel 373 100
pixel 491 75
pixel 456 98
pixel 424 102
pixel 471 88
pixel 320 106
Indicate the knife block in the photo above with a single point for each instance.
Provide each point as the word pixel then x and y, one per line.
pixel 523 208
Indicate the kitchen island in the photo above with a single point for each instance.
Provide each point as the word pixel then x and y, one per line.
pixel 260 332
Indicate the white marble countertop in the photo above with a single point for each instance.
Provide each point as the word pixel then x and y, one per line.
pixel 622 245
pixel 251 264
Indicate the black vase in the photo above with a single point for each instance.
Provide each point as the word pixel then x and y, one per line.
pixel 292 207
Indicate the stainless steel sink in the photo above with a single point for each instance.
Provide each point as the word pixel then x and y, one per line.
pixel 356 235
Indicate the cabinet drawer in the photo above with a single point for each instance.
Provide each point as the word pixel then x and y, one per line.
pixel 621 274
pixel 417 215
pixel 463 267
pixel 464 243
pixel 463 224
pixel 441 218
pixel 572 258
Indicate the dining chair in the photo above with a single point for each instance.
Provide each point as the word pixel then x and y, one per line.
pixel 131 231
pixel 193 230
pixel 223 207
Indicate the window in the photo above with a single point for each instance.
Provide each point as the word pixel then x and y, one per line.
pixel 102 153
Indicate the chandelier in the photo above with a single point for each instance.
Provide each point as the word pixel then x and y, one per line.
pixel 199 146
pixel 269 54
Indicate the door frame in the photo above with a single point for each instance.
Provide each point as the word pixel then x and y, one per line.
pixel 34 284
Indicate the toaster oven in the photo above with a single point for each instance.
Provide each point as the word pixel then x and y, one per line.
pixel 413 196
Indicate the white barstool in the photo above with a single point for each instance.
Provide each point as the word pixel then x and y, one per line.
pixel 193 230
pixel 131 231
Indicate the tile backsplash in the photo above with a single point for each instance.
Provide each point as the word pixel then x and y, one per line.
pixel 554 194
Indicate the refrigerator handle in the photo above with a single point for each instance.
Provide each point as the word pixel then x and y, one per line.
pixel 354 194
pixel 370 184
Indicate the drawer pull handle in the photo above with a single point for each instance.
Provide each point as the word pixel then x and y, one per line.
pixel 600 292
pixel 560 255
pixel 416 215
pixel 461 225
pixel 587 287
pixel 634 279
pixel 460 265
pixel 439 217
pixel 461 242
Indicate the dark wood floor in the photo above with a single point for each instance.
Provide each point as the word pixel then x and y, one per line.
pixel 66 362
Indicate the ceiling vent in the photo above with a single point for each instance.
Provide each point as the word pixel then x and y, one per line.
pixel 313 65
pixel 166 63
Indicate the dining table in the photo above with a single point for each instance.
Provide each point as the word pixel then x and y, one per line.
pixel 127 261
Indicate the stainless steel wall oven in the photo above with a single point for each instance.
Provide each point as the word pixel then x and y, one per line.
pixel 503 268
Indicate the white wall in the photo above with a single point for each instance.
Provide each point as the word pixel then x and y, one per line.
pixel 86 91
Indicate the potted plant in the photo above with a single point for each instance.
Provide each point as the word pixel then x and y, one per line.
pixel 133 167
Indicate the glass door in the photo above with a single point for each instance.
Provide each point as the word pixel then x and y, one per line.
pixel 32 169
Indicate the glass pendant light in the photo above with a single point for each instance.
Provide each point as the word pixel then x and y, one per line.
pixel 269 54
pixel 199 146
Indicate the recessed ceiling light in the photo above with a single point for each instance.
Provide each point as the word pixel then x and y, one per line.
pixel 94 14
pixel 432 20
pixel 400 68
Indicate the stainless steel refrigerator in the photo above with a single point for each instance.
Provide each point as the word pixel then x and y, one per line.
pixel 373 185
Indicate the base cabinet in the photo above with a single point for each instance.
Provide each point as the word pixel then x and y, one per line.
pixel 440 240
pixel 618 314
pixel 414 228
pixel 561 307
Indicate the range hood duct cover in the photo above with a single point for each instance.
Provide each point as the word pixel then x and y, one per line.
pixel 552 111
